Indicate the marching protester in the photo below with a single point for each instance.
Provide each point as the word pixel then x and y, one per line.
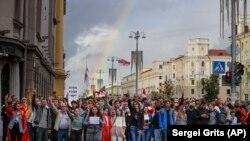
pixel 93 123
pixel 16 124
pixel 42 120
pixel 110 119
pixel 118 127
pixel 106 129
pixel 62 122
pixel 76 125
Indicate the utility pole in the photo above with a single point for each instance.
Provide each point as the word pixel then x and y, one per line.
pixel 233 50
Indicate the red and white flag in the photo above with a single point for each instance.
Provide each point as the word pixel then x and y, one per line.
pixel 144 92
pixel 101 93
pixel 86 76
pixel 123 62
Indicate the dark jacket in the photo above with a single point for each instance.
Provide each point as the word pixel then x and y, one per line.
pixel 136 118
pixel 200 120
pixel 191 116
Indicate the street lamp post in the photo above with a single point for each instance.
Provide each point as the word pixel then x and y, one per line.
pixel 136 35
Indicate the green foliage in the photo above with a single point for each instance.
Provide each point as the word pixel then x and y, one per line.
pixel 166 89
pixel 211 87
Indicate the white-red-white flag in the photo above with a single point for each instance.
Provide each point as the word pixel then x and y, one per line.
pixel 144 92
pixel 101 93
pixel 123 62
pixel 86 76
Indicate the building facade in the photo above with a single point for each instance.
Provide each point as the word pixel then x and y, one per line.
pixel 128 84
pixel 117 90
pixel 243 42
pixel 26 47
pixel 185 72
pixel 60 75
pixel 150 80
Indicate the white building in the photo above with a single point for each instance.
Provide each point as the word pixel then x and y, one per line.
pixel 185 71
pixel 150 79
pixel 117 90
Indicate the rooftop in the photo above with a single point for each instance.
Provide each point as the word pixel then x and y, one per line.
pixel 217 52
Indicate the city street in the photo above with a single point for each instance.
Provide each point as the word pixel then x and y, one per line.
pixel 122 69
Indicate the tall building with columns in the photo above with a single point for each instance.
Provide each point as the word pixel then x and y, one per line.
pixel 26 47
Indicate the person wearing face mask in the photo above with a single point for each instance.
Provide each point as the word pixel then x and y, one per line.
pixel 191 112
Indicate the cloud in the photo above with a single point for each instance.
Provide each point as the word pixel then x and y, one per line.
pixel 90 46
pixel 168 25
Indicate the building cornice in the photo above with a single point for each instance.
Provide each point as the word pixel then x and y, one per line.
pixel 12 41
pixel 38 52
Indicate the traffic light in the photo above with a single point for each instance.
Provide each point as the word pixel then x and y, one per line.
pixel 228 77
pixel 239 71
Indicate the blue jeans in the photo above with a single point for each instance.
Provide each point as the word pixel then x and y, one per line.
pixel 62 134
pixel 145 134
pixel 31 131
pixel 41 134
pixel 157 135
pixel 134 133
pixel 163 134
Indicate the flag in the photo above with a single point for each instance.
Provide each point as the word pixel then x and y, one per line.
pixel 123 62
pixel 86 76
pixel 144 92
pixel 101 93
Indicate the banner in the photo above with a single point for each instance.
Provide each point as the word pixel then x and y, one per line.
pixel 73 94
pixel 112 74
pixel 134 56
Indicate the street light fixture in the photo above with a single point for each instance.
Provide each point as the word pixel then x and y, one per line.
pixel 136 35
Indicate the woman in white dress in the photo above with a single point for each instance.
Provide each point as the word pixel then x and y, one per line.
pixel 118 128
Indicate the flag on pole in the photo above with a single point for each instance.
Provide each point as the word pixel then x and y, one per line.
pixel 86 76
pixel 101 93
pixel 123 62
pixel 144 92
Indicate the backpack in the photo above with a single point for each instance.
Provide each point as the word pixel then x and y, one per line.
pixel 222 119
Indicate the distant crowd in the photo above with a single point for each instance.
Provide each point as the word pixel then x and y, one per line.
pixel 127 118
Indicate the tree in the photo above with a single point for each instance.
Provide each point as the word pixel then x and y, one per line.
pixel 166 89
pixel 211 87
pixel 154 94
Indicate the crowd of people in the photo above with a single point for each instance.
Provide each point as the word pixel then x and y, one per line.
pixel 136 118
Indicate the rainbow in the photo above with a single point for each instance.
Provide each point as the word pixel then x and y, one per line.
pixel 118 24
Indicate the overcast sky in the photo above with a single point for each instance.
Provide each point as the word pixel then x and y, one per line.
pixel 97 29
